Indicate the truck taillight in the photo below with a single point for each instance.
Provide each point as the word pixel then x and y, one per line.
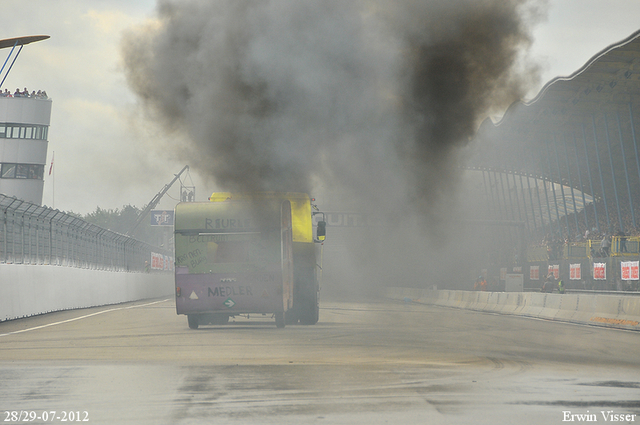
pixel 178 291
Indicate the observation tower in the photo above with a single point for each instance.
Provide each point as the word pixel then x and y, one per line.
pixel 24 125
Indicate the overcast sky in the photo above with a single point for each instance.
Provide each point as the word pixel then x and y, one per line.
pixel 102 160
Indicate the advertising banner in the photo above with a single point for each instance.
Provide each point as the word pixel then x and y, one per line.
pixel 161 262
pixel 555 269
pixel 629 270
pixel 162 217
pixel 575 273
pixel 534 272
pixel 600 271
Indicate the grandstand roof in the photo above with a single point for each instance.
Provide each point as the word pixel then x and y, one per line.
pixel 609 80
pixel 573 118
pixel 20 41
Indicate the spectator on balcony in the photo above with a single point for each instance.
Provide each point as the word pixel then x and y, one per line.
pixel 605 245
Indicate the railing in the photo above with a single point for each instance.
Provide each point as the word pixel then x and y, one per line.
pixel 625 245
pixel 620 247
pixel 537 253
pixel 577 250
pixel 31 234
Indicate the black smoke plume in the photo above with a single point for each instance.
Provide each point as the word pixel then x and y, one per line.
pixel 372 100
pixel 274 93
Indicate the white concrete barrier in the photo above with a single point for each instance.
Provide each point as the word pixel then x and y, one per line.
pixel 568 307
pixel 513 302
pixel 495 301
pixel 616 311
pixel 551 306
pixel 28 290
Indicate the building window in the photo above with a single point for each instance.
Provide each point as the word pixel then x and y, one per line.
pixel 8 171
pixel 36 172
pixel 22 171
pixel 23 131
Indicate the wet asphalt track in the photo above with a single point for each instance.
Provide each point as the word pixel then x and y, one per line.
pixel 364 363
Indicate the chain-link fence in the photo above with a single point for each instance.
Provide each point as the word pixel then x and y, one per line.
pixel 31 234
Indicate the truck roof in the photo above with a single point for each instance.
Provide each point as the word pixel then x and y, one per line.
pixel 300 208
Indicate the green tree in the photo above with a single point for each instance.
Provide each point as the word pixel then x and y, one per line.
pixel 122 220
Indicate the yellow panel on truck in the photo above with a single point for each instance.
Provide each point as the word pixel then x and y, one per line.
pixel 300 209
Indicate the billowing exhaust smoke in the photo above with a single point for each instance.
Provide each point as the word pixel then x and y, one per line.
pixel 369 99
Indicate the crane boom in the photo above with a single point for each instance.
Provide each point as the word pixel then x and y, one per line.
pixel 155 201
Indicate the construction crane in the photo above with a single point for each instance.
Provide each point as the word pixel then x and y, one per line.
pixel 155 201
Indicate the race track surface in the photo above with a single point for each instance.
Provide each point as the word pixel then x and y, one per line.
pixel 363 363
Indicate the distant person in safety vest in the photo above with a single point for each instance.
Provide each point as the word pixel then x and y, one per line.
pixel 483 285
pixel 561 286
pixel 480 284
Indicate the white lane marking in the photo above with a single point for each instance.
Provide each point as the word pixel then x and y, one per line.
pixel 83 317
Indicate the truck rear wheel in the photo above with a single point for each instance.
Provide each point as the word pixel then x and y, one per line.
pixel 193 321
pixel 291 318
pixel 310 312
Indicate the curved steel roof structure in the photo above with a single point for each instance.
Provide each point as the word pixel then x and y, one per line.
pixel 21 41
pixel 581 130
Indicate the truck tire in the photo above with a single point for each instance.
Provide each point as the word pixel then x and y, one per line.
pixel 310 312
pixel 291 317
pixel 193 321
pixel 279 320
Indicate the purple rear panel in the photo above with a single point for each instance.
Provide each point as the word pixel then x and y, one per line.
pixel 233 293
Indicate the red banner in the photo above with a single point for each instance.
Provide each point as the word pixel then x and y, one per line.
pixel 555 269
pixel 161 262
pixel 534 272
pixel 575 272
pixel 629 270
pixel 600 271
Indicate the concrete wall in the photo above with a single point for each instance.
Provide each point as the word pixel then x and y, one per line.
pixel 25 110
pixel 616 311
pixel 27 290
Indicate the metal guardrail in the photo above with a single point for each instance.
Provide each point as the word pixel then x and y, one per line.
pixel 588 291
pixel 602 292
pixel 31 234
pixel 620 247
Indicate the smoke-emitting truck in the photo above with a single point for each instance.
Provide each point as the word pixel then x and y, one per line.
pixel 248 254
